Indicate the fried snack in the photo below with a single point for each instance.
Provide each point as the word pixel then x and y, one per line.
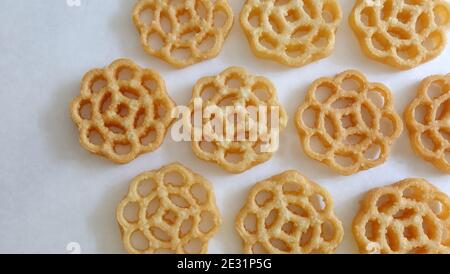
pixel 289 214
pixel 170 210
pixel 428 121
pixel 236 88
pixel 401 33
pixel 183 33
pixel 122 112
pixel 294 33
pixel 411 216
pixel 353 123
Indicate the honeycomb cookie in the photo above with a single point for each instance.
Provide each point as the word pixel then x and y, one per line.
pixel 183 32
pixel 348 123
pixel 289 214
pixel 123 111
pixel 411 216
pixel 169 210
pixel 401 33
pixel 428 121
pixel 236 89
pixel 290 32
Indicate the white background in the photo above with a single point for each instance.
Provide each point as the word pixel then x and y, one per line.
pixel 53 192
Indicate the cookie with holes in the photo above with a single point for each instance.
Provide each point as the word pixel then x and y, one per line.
pixel 169 210
pixel 411 216
pixel 401 33
pixel 183 32
pixel 428 121
pixel 288 214
pixel 348 123
pixel 293 33
pixel 123 111
pixel 240 119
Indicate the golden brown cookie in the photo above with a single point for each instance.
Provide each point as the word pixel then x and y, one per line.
pixel 348 123
pixel 294 33
pixel 234 88
pixel 428 121
pixel 123 111
pixel 169 210
pixel 289 214
pixel 183 33
pixel 401 33
pixel 411 216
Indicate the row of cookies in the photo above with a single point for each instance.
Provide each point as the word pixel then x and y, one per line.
pixel 400 33
pixel 345 122
pixel 173 210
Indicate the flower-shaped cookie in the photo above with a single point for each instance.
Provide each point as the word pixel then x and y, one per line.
pixel 169 210
pixel 294 33
pixel 348 123
pixel 289 214
pixel 411 216
pixel 428 121
pixel 236 90
pixel 401 33
pixel 185 32
pixel 123 111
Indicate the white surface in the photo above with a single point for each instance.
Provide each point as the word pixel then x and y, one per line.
pixel 54 192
